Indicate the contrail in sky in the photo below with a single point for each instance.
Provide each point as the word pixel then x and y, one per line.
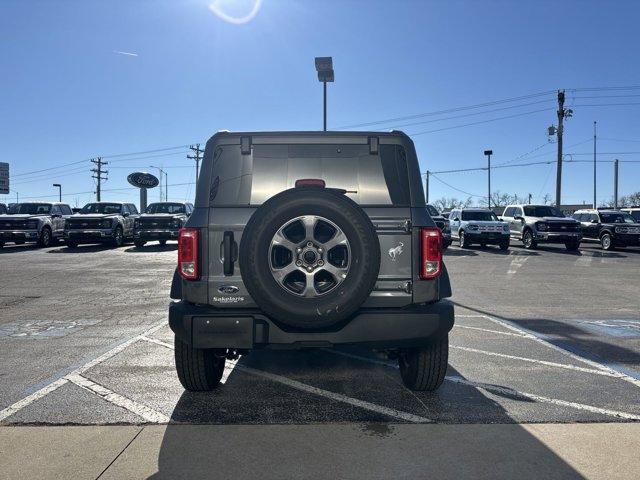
pixel 128 54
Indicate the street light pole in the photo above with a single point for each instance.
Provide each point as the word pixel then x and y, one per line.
pixel 324 116
pixel 324 67
pixel 488 153
pixel 59 191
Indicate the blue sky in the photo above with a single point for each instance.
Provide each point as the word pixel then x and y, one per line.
pixel 68 95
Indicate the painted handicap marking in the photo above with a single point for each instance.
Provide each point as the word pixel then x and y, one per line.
pixel 613 328
pixel 44 328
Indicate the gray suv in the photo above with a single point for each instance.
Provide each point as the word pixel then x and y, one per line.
pixel 310 240
pixel 534 224
pixel 101 222
pixel 34 222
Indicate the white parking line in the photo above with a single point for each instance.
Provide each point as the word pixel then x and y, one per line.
pixel 147 413
pixel 507 391
pixel 390 412
pixel 57 383
pixel 511 334
pixel 541 362
pixel 542 399
pixel 28 400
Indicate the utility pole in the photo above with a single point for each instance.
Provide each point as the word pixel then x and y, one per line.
pixel 594 165
pixel 166 183
pixel 488 153
pixel 426 184
pixel 197 157
pixel 562 114
pixel 98 172
pixel 615 183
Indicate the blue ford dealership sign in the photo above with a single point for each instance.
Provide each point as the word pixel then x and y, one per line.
pixel 143 180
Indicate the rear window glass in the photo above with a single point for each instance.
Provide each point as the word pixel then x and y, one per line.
pixel 30 208
pixel 102 208
pixel 432 211
pixel 479 216
pixel 370 179
pixel 165 208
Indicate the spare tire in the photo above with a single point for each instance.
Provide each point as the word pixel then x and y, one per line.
pixel 309 257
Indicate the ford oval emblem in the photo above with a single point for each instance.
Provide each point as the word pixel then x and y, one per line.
pixel 228 289
pixel 143 180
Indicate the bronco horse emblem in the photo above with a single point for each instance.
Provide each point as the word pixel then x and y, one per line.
pixel 395 251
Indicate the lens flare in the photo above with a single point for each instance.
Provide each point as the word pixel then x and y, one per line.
pixel 217 7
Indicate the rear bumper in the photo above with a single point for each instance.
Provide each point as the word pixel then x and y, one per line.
pixel 18 235
pixel 89 236
pixel 148 235
pixel 206 327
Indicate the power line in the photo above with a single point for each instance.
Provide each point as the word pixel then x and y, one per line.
pixel 455 188
pixel 480 122
pixel 449 110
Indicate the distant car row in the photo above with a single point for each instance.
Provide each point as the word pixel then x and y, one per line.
pixel 537 224
pixel 111 223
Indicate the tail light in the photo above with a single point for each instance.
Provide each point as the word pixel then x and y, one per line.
pixel 431 252
pixel 188 253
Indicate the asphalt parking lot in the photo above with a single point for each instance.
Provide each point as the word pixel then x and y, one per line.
pixel 544 336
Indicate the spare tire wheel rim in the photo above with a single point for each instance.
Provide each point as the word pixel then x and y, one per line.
pixel 309 256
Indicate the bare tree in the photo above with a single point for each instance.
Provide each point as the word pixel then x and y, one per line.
pixel 499 199
pixel 630 200
pixel 445 203
pixel 547 199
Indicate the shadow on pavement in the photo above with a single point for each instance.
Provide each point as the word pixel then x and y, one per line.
pixel 459 253
pixel 169 247
pixel 570 337
pixel 200 443
pixel 91 248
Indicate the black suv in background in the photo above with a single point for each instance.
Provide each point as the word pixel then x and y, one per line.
pixel 442 223
pixel 3 209
pixel 101 222
pixel 34 222
pixel 612 228
pixel 160 221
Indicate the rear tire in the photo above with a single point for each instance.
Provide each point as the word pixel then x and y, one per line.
pixel 504 246
pixel 1 244
pixel 528 241
pixel 71 244
pixel 424 369
pixel 606 241
pixel 163 242
pixel 139 243
pixel 198 369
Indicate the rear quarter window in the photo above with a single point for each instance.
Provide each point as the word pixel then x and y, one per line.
pixel 371 179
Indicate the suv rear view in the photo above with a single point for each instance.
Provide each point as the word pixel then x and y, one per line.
pixel 308 239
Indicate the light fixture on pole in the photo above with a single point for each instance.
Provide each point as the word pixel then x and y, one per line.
pixel 166 183
pixel 324 67
pixel 488 153
pixel 59 191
